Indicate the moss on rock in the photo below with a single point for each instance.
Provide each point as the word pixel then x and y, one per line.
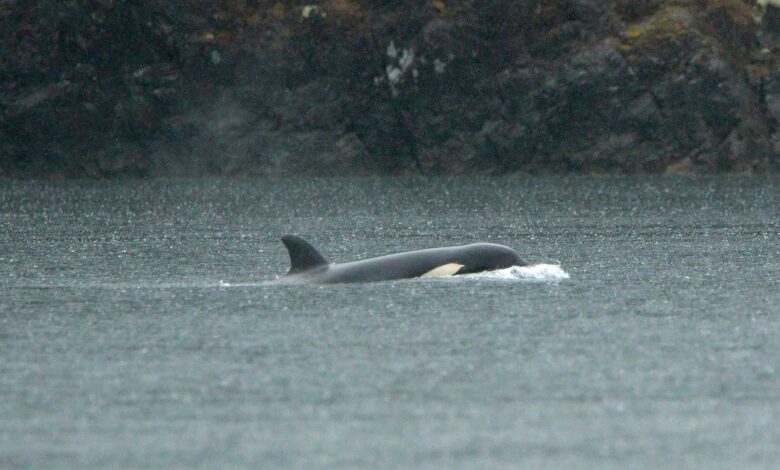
pixel 661 35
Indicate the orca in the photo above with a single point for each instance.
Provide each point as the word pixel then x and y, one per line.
pixel 308 266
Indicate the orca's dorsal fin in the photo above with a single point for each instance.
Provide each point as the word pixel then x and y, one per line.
pixel 303 256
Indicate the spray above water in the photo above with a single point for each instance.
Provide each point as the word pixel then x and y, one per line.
pixel 535 272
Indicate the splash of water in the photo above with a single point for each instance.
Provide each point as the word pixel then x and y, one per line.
pixel 536 272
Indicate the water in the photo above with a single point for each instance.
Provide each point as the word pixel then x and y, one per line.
pixel 137 329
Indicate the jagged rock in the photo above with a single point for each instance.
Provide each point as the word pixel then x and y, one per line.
pixel 350 87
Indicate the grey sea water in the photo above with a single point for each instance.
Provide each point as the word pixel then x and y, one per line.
pixel 136 329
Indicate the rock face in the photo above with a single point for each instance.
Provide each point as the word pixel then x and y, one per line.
pixel 351 87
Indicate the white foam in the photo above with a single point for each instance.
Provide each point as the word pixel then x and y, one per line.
pixel 536 272
pixel 223 283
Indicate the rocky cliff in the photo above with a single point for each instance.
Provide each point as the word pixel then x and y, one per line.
pixel 349 87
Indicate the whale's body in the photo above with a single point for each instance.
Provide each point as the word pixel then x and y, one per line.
pixel 308 266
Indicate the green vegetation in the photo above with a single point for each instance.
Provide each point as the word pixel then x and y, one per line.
pixel 661 36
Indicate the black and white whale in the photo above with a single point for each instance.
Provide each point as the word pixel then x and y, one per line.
pixel 308 266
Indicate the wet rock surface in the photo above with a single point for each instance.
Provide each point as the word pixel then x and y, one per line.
pixel 342 87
